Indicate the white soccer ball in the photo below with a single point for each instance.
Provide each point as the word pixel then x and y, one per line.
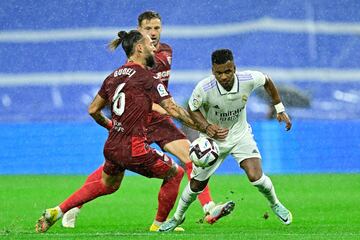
pixel 204 152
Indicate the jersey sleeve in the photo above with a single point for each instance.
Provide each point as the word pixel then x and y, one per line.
pixel 197 98
pixel 102 92
pixel 258 79
pixel 159 92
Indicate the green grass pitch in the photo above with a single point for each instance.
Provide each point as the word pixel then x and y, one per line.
pixel 324 206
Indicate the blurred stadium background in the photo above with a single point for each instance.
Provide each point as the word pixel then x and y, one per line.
pixel 54 58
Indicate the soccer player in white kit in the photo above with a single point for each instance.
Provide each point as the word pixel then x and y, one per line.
pixel 218 103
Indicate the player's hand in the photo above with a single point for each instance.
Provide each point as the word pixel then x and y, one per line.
pixel 283 117
pixel 221 133
pixel 211 130
pixel 214 131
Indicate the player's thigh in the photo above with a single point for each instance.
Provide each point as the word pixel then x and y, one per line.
pixel 164 132
pixel 204 173
pixel 245 148
pixel 154 164
pixel 112 174
pixel 179 148
pixel 248 156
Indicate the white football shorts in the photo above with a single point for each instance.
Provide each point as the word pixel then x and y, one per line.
pixel 243 148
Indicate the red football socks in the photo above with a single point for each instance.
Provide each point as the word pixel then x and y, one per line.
pixel 167 195
pixel 88 192
pixel 96 175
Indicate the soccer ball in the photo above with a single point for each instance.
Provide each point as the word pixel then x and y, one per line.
pixel 204 152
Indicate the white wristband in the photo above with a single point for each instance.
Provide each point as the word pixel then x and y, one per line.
pixel 279 107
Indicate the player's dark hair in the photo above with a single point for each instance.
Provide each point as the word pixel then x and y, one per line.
pixel 221 56
pixel 148 15
pixel 127 40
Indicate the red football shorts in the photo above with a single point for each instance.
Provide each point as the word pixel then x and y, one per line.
pixel 154 164
pixel 163 132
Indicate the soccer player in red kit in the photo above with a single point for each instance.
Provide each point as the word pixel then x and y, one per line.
pixel 131 92
pixel 161 129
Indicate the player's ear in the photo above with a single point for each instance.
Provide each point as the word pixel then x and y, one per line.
pixel 139 47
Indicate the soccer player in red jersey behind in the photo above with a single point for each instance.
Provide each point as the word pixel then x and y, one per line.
pixel 161 129
pixel 131 92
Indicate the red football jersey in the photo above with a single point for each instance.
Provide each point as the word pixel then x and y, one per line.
pixel 161 69
pixel 162 66
pixel 130 90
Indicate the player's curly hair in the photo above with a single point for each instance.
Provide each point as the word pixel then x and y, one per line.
pixel 221 56
pixel 127 40
pixel 148 15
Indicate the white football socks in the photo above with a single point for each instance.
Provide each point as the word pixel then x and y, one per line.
pixel 266 187
pixel 187 197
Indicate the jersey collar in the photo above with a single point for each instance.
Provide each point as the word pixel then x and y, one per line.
pixel 234 89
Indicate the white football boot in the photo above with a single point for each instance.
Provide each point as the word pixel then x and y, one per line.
pixel 171 224
pixel 282 213
pixel 47 219
pixel 219 211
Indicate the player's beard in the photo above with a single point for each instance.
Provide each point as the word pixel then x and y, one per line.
pixel 150 61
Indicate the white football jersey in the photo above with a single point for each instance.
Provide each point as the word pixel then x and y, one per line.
pixel 226 109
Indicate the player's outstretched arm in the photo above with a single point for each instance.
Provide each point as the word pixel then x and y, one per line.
pixel 159 109
pixel 276 100
pixel 95 112
pixel 179 113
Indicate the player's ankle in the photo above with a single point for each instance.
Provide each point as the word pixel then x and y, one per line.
pixel 208 206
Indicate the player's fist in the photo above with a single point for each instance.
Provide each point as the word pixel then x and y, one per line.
pixel 214 131
pixel 211 130
pixel 221 133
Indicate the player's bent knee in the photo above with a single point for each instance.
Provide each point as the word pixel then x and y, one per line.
pixel 116 185
pixel 175 171
pixel 254 176
pixel 112 182
pixel 198 186
pixel 252 167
